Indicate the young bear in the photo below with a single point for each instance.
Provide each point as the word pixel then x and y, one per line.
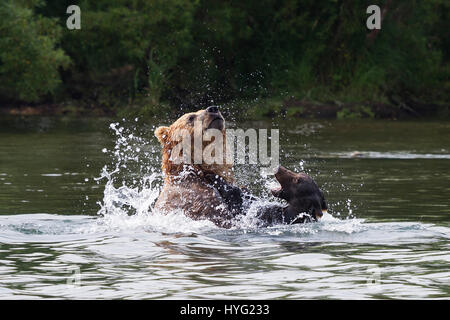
pixel 306 202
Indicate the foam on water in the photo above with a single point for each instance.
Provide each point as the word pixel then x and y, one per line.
pixel 388 155
pixel 49 228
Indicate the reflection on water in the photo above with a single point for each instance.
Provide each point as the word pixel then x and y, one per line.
pixel 388 236
pixel 331 259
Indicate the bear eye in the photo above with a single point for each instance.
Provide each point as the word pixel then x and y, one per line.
pixel 191 118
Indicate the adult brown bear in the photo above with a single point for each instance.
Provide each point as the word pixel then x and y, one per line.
pixel 205 191
pixel 185 185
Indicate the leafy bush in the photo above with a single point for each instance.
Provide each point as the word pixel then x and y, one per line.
pixel 29 57
pixel 190 52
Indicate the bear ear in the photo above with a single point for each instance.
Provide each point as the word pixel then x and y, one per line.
pixel 162 133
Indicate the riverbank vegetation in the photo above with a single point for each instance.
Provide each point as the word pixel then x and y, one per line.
pixel 299 58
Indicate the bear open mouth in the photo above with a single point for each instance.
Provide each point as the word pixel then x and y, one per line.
pixel 216 123
pixel 276 190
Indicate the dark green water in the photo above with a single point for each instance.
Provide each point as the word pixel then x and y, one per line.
pixel 387 235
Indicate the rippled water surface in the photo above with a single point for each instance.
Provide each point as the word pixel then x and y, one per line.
pixel 76 216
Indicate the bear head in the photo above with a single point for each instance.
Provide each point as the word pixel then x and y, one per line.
pixel 301 192
pixel 193 131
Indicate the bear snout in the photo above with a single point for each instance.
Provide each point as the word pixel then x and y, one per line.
pixel 212 109
pixel 284 177
pixel 216 121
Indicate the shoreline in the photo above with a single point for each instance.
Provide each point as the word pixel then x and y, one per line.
pixel 265 109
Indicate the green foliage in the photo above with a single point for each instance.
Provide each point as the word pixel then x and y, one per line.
pixel 355 113
pixel 190 52
pixel 127 48
pixel 157 77
pixel 29 58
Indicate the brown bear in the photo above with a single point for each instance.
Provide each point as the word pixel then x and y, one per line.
pixel 305 201
pixel 185 186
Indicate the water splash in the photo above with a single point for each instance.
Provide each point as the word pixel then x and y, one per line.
pixel 133 181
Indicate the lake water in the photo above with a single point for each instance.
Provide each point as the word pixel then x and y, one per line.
pixel 76 218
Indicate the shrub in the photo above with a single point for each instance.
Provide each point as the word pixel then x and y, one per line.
pixel 29 56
